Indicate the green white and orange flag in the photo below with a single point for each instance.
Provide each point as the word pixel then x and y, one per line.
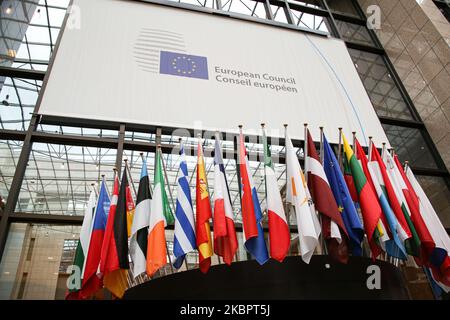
pixel 203 214
pixel 160 216
pixel 370 208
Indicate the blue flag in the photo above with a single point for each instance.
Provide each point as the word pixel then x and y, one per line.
pixel 343 199
pixel 257 247
pixel 183 65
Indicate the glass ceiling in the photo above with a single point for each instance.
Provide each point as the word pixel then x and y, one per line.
pixel 58 178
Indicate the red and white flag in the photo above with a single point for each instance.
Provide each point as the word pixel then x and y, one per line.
pixel 225 240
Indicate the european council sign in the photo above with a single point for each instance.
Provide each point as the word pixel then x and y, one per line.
pixel 147 63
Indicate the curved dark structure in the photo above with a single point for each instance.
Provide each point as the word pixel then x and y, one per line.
pixel 292 279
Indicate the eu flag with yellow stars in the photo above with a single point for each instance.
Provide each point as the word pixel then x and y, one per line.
pixel 183 65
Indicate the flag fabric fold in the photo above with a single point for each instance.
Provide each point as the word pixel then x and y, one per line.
pixel 139 228
pixel 251 210
pixel 184 234
pixel 83 244
pixel 343 199
pixel 395 245
pixel 298 196
pixel 203 213
pixel 333 227
pixel 116 264
pixel 394 194
pixel 130 210
pixel 411 206
pixel 279 234
pixel 370 208
pixel 440 259
pixel 160 216
pixel 91 281
pixel 225 240
pixel 384 234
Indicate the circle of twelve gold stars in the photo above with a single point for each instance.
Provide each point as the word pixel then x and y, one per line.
pixel 176 67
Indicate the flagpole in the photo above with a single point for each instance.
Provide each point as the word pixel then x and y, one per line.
pixel 354 142
pixel 103 180
pixel 340 149
pixel 305 151
pixel 128 173
pixel 370 149
pixel 136 279
pixel 127 168
pixel 286 207
pixel 265 171
pixel 322 238
pixel 143 276
pixel 94 189
pixel 321 145
pixel 171 198
pixel 180 141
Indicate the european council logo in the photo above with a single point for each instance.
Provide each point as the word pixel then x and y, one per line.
pixel 183 65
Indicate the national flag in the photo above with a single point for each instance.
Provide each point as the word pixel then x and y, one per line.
pixel 370 207
pixel 406 228
pixel 440 258
pixel 383 231
pixel 115 265
pixel 184 234
pixel 349 180
pixel 225 240
pixel 333 228
pixel 160 216
pixel 410 205
pixel 251 212
pixel 394 246
pixel 298 196
pixel 343 199
pixel 139 228
pixel 83 244
pixel 130 210
pixel 437 286
pixel 203 213
pixel 109 258
pixel 91 281
pixel 279 234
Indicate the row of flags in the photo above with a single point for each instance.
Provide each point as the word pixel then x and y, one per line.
pixel 372 196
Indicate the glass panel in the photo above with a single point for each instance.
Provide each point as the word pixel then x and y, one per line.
pixel 58 178
pixel 384 94
pixel 310 21
pixel 34 265
pixel 354 33
pixel 410 145
pixel 17 101
pixel 29 32
pixel 342 6
pixel 307 3
pixel 439 195
pixel 9 155
pixel 76 131
pixel 200 3
pixel 247 7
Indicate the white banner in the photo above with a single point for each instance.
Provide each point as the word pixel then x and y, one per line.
pixel 149 64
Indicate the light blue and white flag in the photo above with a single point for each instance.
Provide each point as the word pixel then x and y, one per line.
pixel 184 238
